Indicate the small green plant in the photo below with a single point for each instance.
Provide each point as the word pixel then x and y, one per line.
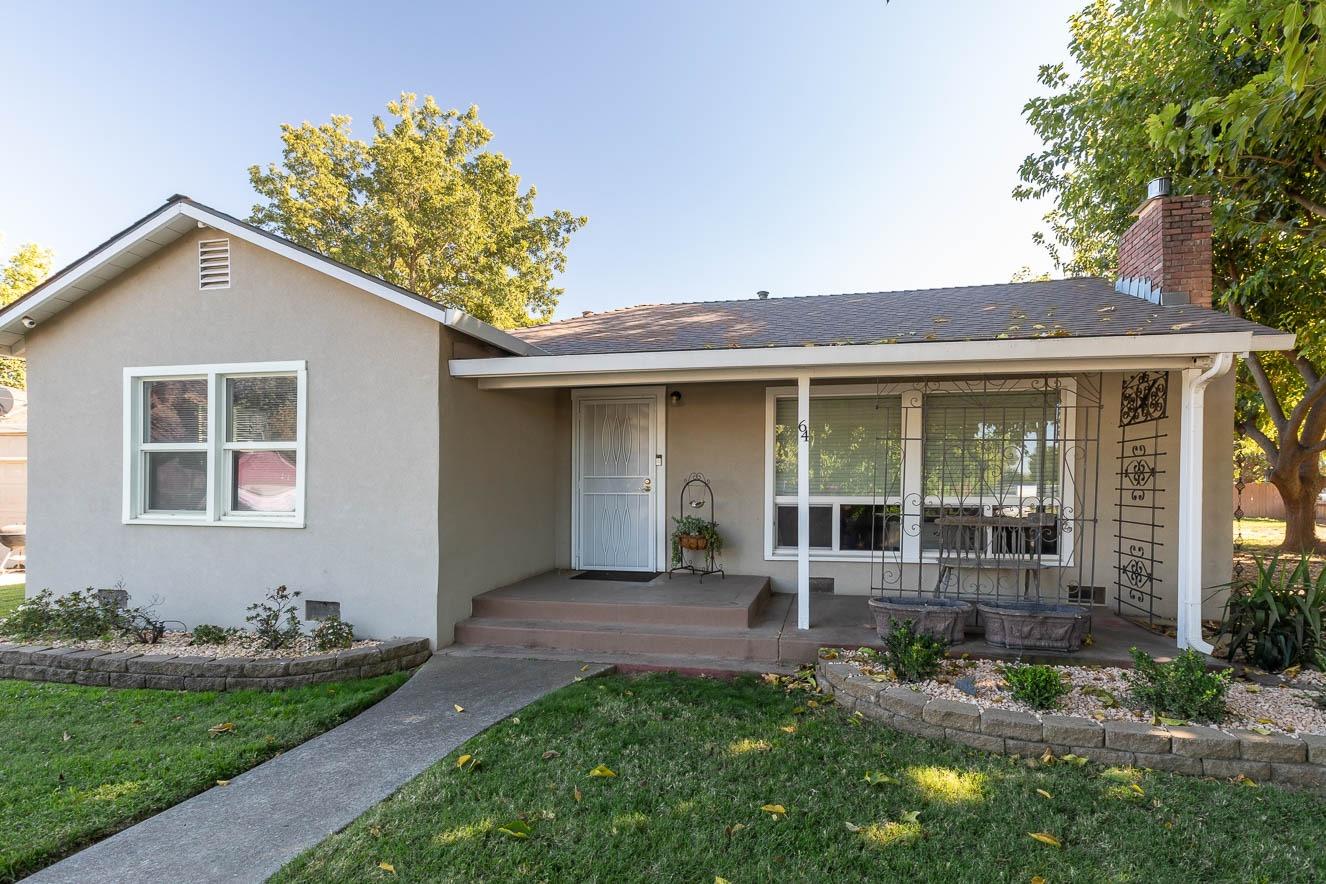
pixel 911 655
pixel 33 618
pixel 687 527
pixel 1181 689
pixel 207 634
pixel 1275 620
pixel 1040 687
pixel 275 623
pixel 333 633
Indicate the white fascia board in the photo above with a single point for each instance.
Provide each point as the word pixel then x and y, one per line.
pixel 11 318
pixel 1007 355
pixel 1276 342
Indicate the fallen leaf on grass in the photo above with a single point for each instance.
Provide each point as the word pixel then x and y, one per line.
pixel 64 738
pixel 1046 838
pixel 1037 879
pixel 877 778
pixel 1136 788
pixel 1077 760
pixel 852 827
pixel 909 816
pixel 467 762
pixel 602 770
pixel 577 794
pixel 719 879
pixel 223 782
pixel 388 868
pixel 788 728
pixel 1044 794
pixel 517 828
pixel 224 727
pixel 774 810
pixel 551 754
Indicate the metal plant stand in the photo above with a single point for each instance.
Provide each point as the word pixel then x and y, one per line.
pixel 697 494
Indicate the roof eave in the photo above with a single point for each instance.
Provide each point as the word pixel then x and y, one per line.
pixel 1011 355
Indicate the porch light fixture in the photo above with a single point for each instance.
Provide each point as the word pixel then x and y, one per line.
pixel 675 397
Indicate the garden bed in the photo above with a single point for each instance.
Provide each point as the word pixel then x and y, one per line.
pixel 181 644
pixel 1270 733
pixel 164 669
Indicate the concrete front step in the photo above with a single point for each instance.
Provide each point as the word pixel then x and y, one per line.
pixel 629 662
pixel 736 602
pixel 588 639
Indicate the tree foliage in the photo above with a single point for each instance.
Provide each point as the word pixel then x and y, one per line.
pixel 1228 97
pixel 422 205
pixel 25 269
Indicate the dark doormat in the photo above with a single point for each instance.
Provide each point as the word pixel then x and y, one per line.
pixel 619 576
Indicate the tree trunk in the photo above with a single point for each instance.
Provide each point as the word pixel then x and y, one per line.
pixel 1297 475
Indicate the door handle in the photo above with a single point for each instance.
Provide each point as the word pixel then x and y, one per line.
pixel 649 485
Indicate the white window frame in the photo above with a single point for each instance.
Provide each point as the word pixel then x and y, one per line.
pixel 218 511
pixel 913 403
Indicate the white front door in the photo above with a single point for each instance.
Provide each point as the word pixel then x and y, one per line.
pixel 617 470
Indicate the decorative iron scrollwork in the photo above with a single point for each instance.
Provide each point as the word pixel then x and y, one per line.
pixel 1145 398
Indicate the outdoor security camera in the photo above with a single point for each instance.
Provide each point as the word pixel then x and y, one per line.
pixel 29 322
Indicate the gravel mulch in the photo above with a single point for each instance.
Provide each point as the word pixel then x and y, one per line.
pixel 1101 692
pixel 180 644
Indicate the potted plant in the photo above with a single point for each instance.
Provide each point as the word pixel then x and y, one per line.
pixel 695 533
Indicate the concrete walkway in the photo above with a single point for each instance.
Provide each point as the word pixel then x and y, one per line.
pixel 246 831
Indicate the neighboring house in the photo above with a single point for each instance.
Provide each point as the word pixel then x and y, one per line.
pixel 223 411
pixel 13 456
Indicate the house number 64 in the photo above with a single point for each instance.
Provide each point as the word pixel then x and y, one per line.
pixel 803 430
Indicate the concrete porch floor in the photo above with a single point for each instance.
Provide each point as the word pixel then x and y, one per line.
pixel 731 624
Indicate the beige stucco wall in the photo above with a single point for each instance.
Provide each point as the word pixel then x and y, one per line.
pixel 719 430
pixel 372 467
pixel 498 497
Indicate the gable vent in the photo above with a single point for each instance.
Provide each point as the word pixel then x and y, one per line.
pixel 213 264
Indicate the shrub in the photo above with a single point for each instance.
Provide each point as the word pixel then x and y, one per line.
pixel 911 655
pixel 1040 687
pixel 333 633
pixel 33 618
pixel 207 634
pixel 694 526
pixel 1274 621
pixel 275 623
pixel 1181 689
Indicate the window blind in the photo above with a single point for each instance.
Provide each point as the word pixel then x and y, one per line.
pixel 855 445
pixel 998 445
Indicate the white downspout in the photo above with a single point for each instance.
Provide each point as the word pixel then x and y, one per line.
pixel 1191 477
pixel 803 502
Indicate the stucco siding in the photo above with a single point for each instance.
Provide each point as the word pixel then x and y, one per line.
pixel 498 497
pixel 370 540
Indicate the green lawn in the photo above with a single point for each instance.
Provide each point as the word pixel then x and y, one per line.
pixel 697 759
pixel 10 596
pixel 77 763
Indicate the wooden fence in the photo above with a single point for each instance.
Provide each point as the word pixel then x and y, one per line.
pixel 1261 500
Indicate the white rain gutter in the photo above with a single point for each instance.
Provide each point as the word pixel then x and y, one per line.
pixel 1191 477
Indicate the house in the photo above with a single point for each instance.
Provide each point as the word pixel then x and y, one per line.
pixel 222 411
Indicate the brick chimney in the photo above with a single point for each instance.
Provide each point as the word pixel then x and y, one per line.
pixel 1165 257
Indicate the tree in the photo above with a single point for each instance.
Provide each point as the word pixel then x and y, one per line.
pixel 26 269
pixel 1228 98
pixel 422 206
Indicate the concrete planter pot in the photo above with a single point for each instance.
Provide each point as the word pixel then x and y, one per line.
pixel 942 619
pixel 1034 625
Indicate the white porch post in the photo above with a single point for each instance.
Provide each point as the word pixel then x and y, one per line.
pixel 1191 449
pixel 803 502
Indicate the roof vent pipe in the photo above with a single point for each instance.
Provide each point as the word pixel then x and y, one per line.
pixel 1157 187
pixel 762 295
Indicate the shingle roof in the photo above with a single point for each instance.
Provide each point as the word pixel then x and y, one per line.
pixel 1079 307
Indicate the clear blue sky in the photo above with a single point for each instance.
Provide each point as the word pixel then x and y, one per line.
pixel 717 147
